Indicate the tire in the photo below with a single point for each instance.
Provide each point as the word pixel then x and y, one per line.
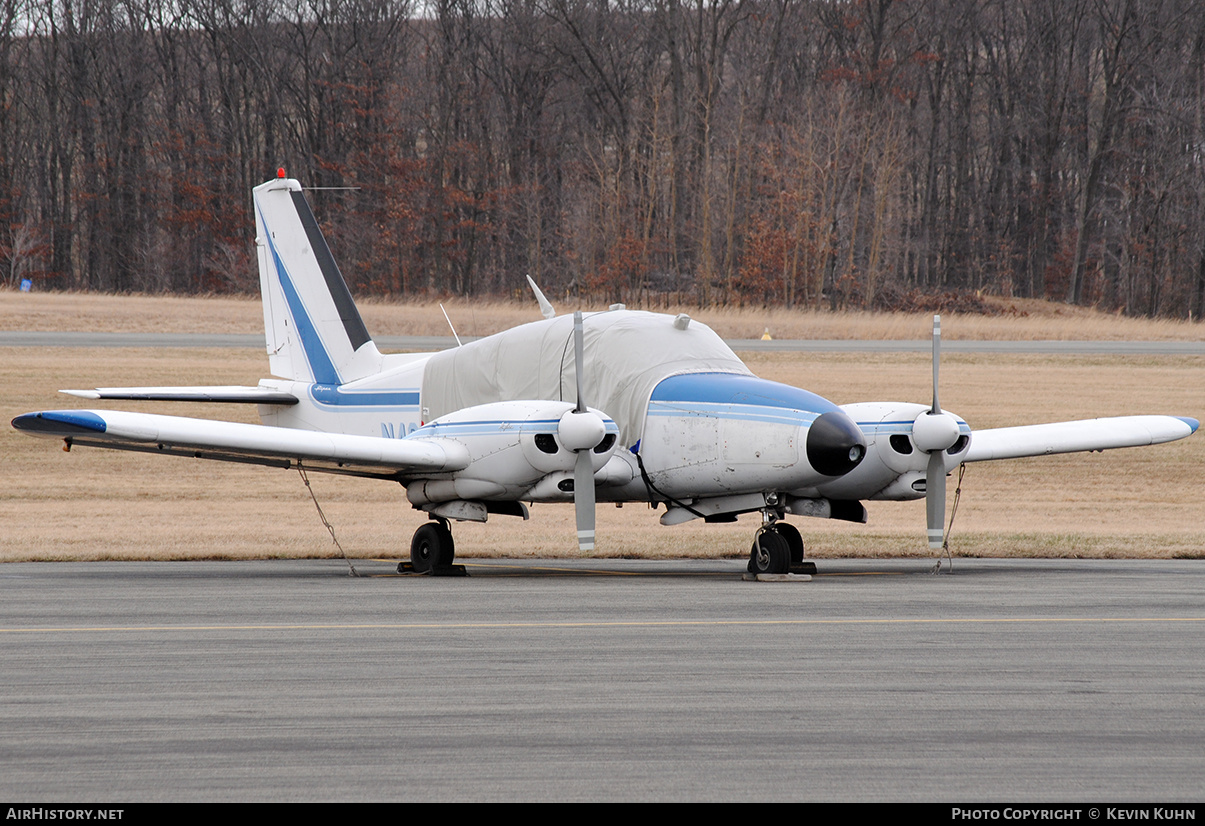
pixel 448 547
pixel 772 557
pixel 427 547
pixel 794 541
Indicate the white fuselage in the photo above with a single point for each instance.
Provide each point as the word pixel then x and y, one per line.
pixel 386 404
pixel 703 435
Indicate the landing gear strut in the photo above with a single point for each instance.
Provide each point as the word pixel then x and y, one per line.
pixel 432 549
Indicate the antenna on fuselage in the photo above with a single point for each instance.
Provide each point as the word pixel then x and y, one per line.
pixel 450 327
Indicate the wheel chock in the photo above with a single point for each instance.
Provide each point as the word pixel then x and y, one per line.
pixel 748 577
pixel 446 570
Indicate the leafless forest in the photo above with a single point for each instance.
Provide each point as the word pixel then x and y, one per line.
pixel 811 153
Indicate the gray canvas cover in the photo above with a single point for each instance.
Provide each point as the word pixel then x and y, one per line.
pixel 626 353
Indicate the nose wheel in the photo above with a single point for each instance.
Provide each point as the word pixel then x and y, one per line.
pixel 770 553
pixel 778 549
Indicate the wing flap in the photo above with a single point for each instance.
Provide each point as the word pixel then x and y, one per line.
pixel 226 394
pixel 237 442
pixel 1077 436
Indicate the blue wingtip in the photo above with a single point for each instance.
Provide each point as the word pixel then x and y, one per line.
pixel 1193 423
pixel 60 422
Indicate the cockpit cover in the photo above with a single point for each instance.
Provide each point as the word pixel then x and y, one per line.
pixel 626 353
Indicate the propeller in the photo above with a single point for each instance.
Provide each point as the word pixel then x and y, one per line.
pixel 934 432
pixel 581 430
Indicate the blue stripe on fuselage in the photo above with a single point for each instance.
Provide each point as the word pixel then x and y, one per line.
pixel 736 412
pixel 738 389
pixel 904 426
pixel 333 394
pixel 490 426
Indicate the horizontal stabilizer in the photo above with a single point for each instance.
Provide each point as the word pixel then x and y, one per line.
pixel 1073 437
pixel 247 443
pixel 226 394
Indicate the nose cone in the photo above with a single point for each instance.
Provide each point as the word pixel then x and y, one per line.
pixel 835 444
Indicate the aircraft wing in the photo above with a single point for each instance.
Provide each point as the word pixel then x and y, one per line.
pixel 228 394
pixel 1072 437
pixel 248 443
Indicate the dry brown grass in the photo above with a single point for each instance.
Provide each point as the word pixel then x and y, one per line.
pixel 1020 319
pixel 96 504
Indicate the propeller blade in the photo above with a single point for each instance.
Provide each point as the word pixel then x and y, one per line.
pixel 935 472
pixel 578 347
pixel 583 500
pixel 583 469
pixel 936 360
pixel 935 498
pixel 933 430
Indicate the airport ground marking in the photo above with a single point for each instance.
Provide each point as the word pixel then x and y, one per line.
pixel 452 626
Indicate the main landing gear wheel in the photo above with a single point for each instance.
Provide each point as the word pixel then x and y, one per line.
pixel 432 548
pixel 770 554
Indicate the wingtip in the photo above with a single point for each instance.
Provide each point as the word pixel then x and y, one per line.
pixel 60 422
pixel 1193 424
pixel 83 394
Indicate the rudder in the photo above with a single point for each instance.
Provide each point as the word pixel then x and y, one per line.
pixel 314 331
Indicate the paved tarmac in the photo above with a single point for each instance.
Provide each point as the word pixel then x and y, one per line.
pixel 1009 681
pixel 433 343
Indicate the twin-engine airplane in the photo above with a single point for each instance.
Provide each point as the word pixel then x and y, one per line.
pixel 615 406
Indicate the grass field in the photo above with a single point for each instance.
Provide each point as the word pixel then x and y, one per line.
pixel 1018 319
pixel 94 504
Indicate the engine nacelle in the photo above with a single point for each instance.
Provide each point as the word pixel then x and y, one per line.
pixel 513 445
pixel 558 487
pixel 895 464
pixel 550 444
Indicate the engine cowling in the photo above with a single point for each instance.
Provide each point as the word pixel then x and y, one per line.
pixel 900 437
pixel 512 446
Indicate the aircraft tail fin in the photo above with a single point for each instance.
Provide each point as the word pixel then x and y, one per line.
pixel 314 331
